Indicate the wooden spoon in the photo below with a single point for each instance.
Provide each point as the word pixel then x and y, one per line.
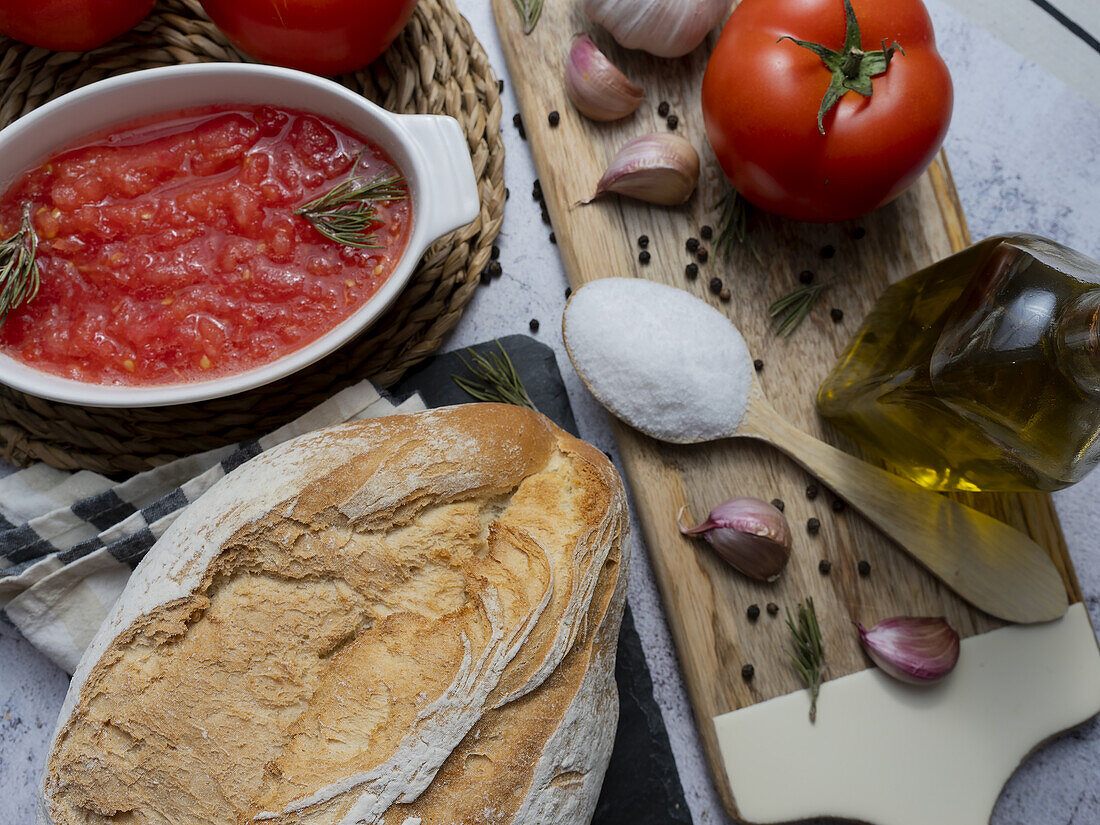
pixel 990 564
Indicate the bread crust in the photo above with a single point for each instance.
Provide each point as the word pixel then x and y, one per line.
pixel 405 620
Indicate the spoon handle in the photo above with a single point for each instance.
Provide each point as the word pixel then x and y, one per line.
pixel 990 564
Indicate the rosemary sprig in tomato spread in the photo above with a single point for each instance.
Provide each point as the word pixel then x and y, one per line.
pixel 18 266
pixel 344 213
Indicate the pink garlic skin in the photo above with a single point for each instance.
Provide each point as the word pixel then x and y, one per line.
pixel 666 28
pixel 751 535
pixel 915 650
pixel 596 86
pixel 659 168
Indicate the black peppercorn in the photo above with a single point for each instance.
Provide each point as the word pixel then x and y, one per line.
pixel 485 277
pixel 838 505
pixel 691 270
pixel 533 325
pixel 553 118
pixel 811 491
pixel 643 241
pixel 864 568
pixel 725 294
pixel 663 108
pixel 753 612
pixel 536 191
pixel 825 566
pixel 859 233
pixel 553 238
pixel 707 232
pixel 545 216
pixel 747 672
pixel 673 122
pixel 692 244
pixel 758 365
pixel 495 269
pixel 568 292
pixel 517 121
pixel 643 257
pixel 500 87
pixel 701 256
pixel 836 314
pixel 812 526
pixel 772 608
pixel 494 253
pixel 806 276
pixel 828 251
pixel 715 285
pixel 778 504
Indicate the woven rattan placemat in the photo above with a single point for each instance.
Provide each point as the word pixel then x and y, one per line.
pixel 436 66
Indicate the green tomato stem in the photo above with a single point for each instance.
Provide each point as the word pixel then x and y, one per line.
pixel 851 67
pixel 852 61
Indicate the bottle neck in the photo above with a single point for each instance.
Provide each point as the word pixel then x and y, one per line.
pixel 1078 342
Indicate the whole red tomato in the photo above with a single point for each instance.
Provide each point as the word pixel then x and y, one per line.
pixel 763 94
pixel 321 36
pixel 70 25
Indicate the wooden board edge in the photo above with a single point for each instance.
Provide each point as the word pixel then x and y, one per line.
pixel 1044 526
pixel 954 219
pixel 704 725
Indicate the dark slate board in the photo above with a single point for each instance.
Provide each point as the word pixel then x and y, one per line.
pixel 642 786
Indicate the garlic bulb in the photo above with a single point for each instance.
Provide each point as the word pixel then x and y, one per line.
pixel 596 86
pixel 666 28
pixel 751 535
pixel 658 168
pixel 912 649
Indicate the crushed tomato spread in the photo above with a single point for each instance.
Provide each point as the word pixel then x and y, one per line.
pixel 169 249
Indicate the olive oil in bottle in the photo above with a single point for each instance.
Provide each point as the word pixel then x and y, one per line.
pixel 980 372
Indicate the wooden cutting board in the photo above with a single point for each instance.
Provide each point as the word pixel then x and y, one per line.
pixel 706 602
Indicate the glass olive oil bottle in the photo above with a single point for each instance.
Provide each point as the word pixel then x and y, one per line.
pixel 980 372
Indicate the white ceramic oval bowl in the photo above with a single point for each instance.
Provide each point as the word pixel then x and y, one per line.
pixel 430 150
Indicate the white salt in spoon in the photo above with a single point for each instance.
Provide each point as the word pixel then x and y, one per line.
pixel 675 368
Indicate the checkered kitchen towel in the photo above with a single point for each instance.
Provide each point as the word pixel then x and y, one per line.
pixel 68 541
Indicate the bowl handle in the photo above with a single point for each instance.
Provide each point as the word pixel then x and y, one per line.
pixel 456 200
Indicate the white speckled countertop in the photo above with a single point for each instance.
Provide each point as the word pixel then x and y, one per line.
pixel 1025 152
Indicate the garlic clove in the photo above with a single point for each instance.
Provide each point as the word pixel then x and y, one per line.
pixel 656 168
pixel 596 86
pixel 913 649
pixel 666 28
pixel 751 535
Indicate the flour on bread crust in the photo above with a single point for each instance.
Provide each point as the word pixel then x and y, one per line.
pixel 453 578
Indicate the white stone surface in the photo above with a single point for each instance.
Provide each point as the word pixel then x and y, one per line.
pixel 1025 153
pixel 1032 30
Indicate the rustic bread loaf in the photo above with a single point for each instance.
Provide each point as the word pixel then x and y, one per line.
pixel 408 620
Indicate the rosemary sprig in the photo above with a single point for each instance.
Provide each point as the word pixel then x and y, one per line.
pixel 791 310
pixel 19 276
pixel 529 12
pixel 734 213
pixel 343 213
pixel 808 651
pixel 494 378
